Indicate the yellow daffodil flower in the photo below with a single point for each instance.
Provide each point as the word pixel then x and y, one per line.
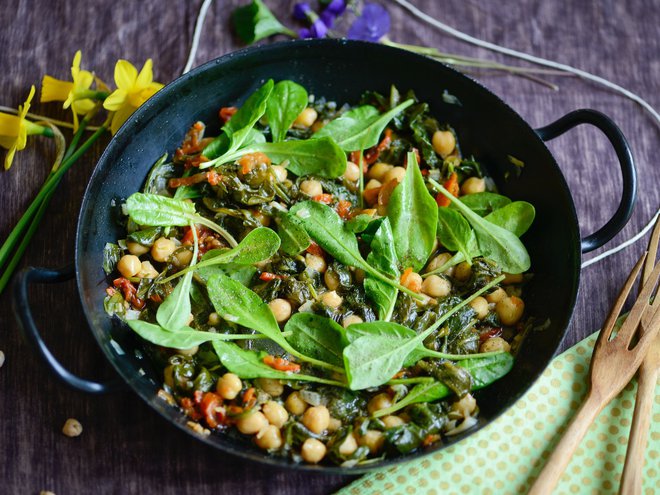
pixel 76 94
pixel 133 90
pixel 14 130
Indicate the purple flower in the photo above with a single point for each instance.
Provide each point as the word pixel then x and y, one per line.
pixel 335 7
pixel 301 11
pixel 318 29
pixel 372 25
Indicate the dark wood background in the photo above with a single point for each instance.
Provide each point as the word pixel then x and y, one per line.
pixel 125 447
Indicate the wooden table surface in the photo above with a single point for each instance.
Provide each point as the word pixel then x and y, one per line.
pixel 125 447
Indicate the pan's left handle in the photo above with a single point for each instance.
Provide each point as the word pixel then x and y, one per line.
pixel 26 321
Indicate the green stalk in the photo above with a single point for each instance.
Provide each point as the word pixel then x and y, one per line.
pixel 411 381
pixel 458 357
pixel 361 193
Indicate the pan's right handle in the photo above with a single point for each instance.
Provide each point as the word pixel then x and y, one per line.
pixel 26 321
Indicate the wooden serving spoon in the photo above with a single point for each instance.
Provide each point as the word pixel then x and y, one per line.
pixel 613 364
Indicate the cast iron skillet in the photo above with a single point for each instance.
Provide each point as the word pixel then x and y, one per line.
pixel 342 71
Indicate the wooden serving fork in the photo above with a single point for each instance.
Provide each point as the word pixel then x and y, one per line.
pixel 613 364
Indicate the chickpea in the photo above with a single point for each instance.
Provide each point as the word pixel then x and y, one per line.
pixel 512 278
pixel 378 170
pixel 136 248
pixel 312 450
pixel 280 172
pixel 378 402
pixel 214 319
pixel 352 172
pixel 496 296
pixel 359 275
pixel 510 310
pixel 269 438
pixel 228 386
pixel 334 424
pixel 439 261
pixel 372 184
pixel 331 299
pixel 331 280
pixel 316 418
pixel 191 351
pixel 162 249
pixel 495 344
pixel 397 173
pixel 473 185
pixel 306 118
pixel 72 428
pixel 129 265
pixel 351 320
pixel 413 282
pixel 462 271
pixel 147 270
pixel 272 387
pixel 373 439
pixel 435 286
pixel 261 218
pixel 318 125
pixel 348 446
pixel 466 406
pixel 480 305
pixel 281 309
pixel 393 421
pixel 252 423
pixel 443 143
pixel 311 187
pixel 275 413
pixel 183 257
pixel 315 262
pixel 295 404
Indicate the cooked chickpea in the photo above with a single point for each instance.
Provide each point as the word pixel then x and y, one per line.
pixel 352 172
pixel 397 173
pixel 269 438
pixel 331 280
pixel 275 413
pixel 136 248
pixel 359 275
pixel 315 262
pixel 316 418
pixel 129 265
pixel 318 125
pixel 495 344
pixel 496 296
pixel 72 428
pixel 465 406
pixel 261 218
pixel 372 184
pixel 252 423
pixel 271 386
pixel 378 402
pixel 439 261
pixel 183 257
pixel 280 172
pixel 334 424
pixel 162 249
pixel 147 270
pixel 510 310
pixel 480 306
pixel 473 185
pixel 312 450
pixel 443 143
pixel 228 386
pixel 413 282
pixel 306 118
pixel 295 404
pixel 378 170
pixel 311 187
pixel 190 351
pixel 373 439
pixel 214 319
pixel 351 320
pixel 435 286
pixel 348 446
pixel 331 299
pixel 281 309
pixel 393 421
pixel 512 278
pixel 462 271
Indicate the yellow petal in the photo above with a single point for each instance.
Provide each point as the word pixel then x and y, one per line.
pixel 76 123
pixel 125 74
pixel 76 62
pixel 54 90
pixel 146 75
pixel 7 141
pixel 9 157
pixel 120 117
pixel 83 80
pixel 115 100
pixel 9 126
pixel 25 107
pixel 82 107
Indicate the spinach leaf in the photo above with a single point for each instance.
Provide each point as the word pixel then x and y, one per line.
pixel 515 217
pixel 145 237
pixel 220 145
pixel 184 338
pixel 413 214
pixel 383 257
pixel 360 128
pixel 454 232
pixel 286 102
pixel 293 236
pixel 495 242
pixel 158 211
pixel 241 124
pixel 255 21
pixel 378 328
pixel 317 336
pixel 484 203
pixel 359 223
pixel 111 255
pixel 240 273
pixel 158 177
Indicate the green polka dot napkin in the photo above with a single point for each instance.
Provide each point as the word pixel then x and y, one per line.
pixel 507 455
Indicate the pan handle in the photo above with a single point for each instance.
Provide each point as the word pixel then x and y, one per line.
pixel 623 153
pixel 23 313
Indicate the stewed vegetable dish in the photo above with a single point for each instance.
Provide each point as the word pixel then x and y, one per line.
pixel 331 282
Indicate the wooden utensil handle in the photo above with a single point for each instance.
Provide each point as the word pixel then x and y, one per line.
pixel 556 464
pixel 631 481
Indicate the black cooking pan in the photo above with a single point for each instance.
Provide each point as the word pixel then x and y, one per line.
pixel 342 71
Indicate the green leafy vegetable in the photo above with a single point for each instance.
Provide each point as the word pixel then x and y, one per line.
pixel 158 177
pixel 515 217
pixel 145 237
pixel 383 257
pixel 184 338
pixel 317 336
pixel 455 232
pixel 293 236
pixel 484 203
pixel 286 102
pixel 111 255
pixel 255 22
